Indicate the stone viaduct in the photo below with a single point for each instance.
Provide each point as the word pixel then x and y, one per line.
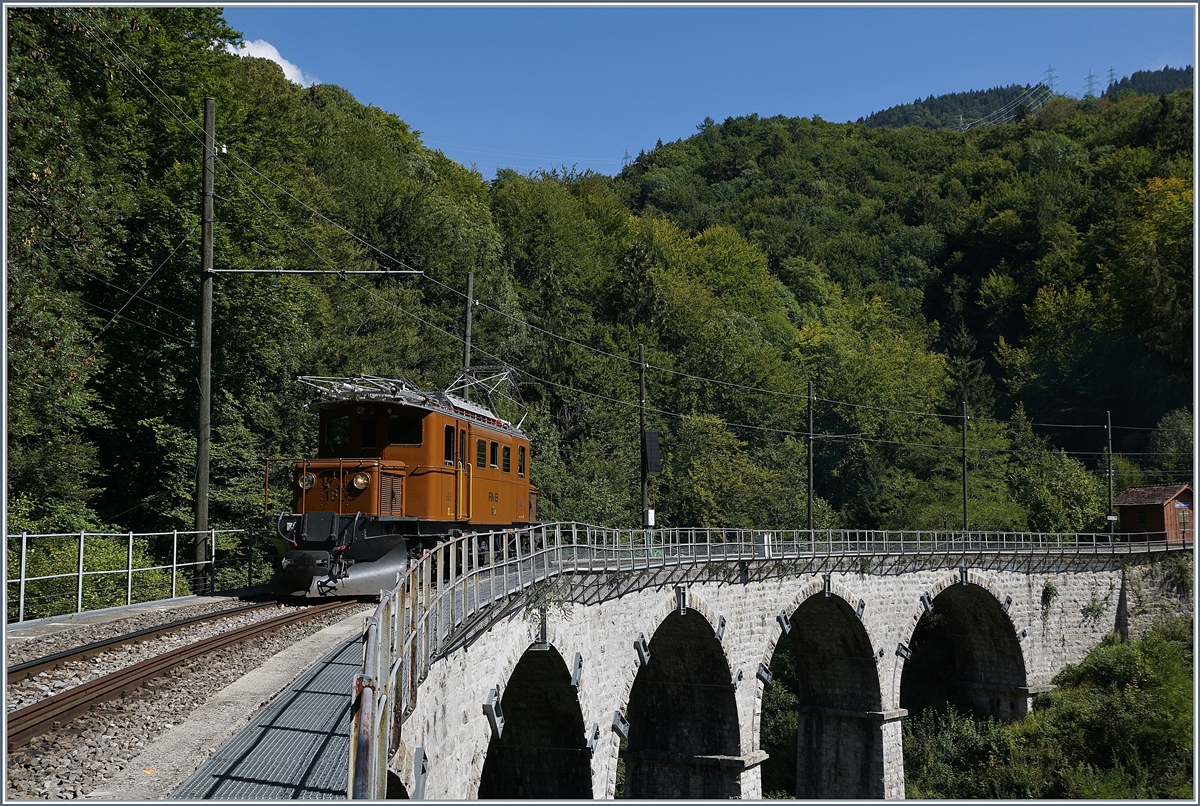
pixel 665 669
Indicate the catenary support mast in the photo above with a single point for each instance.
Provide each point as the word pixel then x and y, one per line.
pixel 203 429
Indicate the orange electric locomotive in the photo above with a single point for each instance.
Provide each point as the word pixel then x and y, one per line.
pixel 396 467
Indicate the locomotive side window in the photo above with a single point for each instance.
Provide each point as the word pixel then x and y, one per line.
pixel 462 446
pixel 480 453
pixel 521 461
pixel 448 454
pixel 507 459
pixel 404 430
pixel 368 433
pixel 495 454
pixel 337 432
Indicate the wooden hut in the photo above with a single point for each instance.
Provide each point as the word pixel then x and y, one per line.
pixel 1157 512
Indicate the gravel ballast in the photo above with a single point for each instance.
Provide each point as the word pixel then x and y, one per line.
pixel 69 675
pixel 88 752
pixel 32 640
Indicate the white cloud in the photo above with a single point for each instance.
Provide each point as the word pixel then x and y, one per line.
pixel 262 49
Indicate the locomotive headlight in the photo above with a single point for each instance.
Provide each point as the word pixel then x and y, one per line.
pixel 306 481
pixel 361 480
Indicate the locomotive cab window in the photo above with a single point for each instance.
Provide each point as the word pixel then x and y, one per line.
pixel 495 455
pixel 367 434
pixel 337 432
pixel 448 449
pixel 521 461
pixel 507 459
pixel 404 429
pixel 480 453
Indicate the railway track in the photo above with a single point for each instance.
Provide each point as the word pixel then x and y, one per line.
pixel 32 668
pixel 57 710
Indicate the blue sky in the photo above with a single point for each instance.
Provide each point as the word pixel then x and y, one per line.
pixel 530 88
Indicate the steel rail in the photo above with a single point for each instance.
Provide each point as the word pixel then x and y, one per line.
pixel 41 717
pixel 30 668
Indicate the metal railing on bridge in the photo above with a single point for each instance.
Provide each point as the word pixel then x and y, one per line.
pixel 74 572
pixel 443 592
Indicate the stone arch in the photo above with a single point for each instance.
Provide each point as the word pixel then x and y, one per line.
pixel 775 629
pixel 966 651
pixel 669 604
pixel 839 703
pixel 681 709
pixel 665 607
pixel 810 589
pixel 510 653
pixel 542 750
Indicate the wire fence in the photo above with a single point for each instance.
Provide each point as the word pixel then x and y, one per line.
pixel 58 574
pixel 442 594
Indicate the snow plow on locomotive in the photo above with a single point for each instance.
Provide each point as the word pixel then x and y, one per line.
pixel 396 468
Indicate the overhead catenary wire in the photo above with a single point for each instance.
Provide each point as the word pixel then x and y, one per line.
pixel 162 308
pixel 145 282
pixel 664 412
pixel 132 321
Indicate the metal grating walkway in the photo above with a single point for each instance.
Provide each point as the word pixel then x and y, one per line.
pixel 297 747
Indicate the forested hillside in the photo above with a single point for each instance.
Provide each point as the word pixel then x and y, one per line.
pixel 962 110
pixel 957 110
pixel 1156 82
pixel 1039 271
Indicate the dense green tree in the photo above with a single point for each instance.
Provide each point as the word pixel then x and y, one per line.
pixel 85 151
pixel 1058 492
pixel 1153 270
pixel 1171 445
pixel 1153 82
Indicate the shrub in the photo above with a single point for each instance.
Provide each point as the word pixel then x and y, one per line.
pixel 1117 725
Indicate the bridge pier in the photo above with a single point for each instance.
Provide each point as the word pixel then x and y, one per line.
pixel 892 745
pixel 1003 702
pixel 848 754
